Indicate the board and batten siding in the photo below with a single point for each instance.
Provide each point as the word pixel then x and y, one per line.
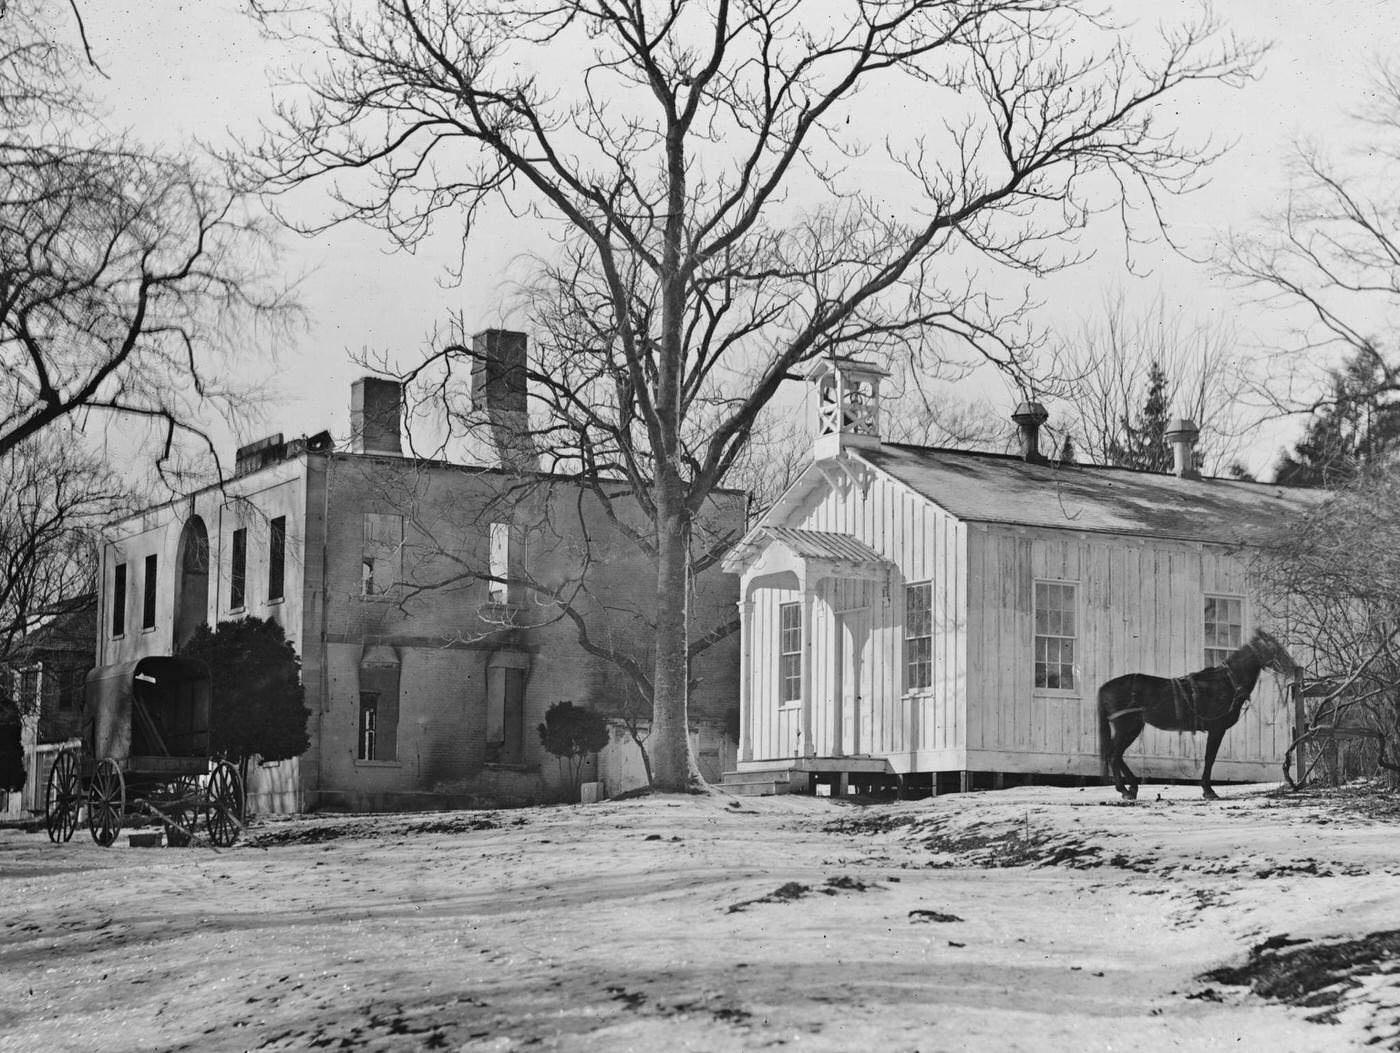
pixel 1140 608
pixel 924 544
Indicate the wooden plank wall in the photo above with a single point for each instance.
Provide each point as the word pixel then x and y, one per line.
pixel 925 544
pixel 1140 607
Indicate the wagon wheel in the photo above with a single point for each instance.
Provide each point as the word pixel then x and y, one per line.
pixel 181 812
pixel 223 815
pixel 106 802
pixel 62 797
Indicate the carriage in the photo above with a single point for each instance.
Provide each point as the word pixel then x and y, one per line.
pixel 145 751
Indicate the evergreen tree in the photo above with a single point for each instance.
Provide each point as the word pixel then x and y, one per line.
pixel 1357 425
pixel 1144 441
pixel 258 704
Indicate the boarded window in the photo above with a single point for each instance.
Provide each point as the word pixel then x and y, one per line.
pixel 148 598
pixel 918 636
pixel 1224 624
pixel 1055 635
pixel 382 567
pixel 276 558
pixel 119 600
pixel 505 715
pixel 238 570
pixel 498 588
pixel 789 652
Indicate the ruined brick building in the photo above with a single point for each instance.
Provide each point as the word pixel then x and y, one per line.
pixel 422 597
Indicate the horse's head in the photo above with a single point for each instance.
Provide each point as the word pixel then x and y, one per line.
pixel 1272 654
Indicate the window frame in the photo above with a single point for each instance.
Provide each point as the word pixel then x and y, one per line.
pixel 1207 599
pixel 924 640
pixel 1075 688
pixel 277 559
pixel 148 595
pixel 367 737
pixel 238 570
pixel 500 542
pixel 118 601
pixel 789 661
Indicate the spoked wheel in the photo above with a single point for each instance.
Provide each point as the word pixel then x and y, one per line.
pixel 223 815
pixel 62 797
pixel 180 812
pixel 106 802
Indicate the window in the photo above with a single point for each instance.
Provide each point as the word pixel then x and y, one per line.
pixel 276 558
pixel 29 690
pixel 1224 622
pixel 498 589
pixel 148 598
pixel 1054 635
pixel 382 567
pixel 369 725
pixel 918 636
pixel 238 570
pixel 789 652
pixel 119 600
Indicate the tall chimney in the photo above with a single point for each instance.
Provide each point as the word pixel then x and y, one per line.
pixel 376 407
pixel 499 396
pixel 1182 434
pixel 1028 417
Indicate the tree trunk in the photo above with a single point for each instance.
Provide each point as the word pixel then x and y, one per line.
pixel 673 769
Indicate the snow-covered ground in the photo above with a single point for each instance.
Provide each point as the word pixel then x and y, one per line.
pixel 1034 919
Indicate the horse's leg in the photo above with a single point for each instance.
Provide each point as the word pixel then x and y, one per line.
pixel 1214 737
pixel 1124 735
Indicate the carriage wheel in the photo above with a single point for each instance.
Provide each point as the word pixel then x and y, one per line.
pixel 62 797
pixel 106 802
pixel 223 815
pixel 181 813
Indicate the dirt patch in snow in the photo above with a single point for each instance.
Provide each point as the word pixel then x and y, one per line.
pixel 310 830
pixel 793 890
pixel 1310 974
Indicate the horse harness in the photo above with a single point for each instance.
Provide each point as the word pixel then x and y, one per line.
pixel 1187 699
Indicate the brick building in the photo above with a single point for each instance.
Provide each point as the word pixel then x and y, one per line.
pixel 422 597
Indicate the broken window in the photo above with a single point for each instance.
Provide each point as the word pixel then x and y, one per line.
pixel 498 589
pixel 382 565
pixel 369 729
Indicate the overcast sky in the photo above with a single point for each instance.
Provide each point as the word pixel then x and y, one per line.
pixel 184 70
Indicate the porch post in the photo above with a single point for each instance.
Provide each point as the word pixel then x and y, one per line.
pixel 745 674
pixel 805 583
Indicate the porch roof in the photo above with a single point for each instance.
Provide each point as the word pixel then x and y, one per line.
pixel 804 544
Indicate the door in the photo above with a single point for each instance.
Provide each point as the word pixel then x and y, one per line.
pixel 853 721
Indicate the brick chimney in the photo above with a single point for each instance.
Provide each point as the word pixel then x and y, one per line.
pixel 499 397
pixel 376 408
pixel 1028 418
pixel 1182 433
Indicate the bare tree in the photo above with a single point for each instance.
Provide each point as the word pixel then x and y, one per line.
pixel 1330 259
pixel 702 167
pixel 53 495
pixel 127 278
pixel 1332 575
pixel 1125 365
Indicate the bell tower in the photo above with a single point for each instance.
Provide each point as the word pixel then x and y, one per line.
pixel 848 405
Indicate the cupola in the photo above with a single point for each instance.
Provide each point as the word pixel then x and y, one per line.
pixel 848 404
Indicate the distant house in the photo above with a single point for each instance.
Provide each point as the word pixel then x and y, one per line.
pixel 46 678
pixel 946 617
pixel 417 594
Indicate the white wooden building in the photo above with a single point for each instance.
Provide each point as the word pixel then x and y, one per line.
pixel 946 617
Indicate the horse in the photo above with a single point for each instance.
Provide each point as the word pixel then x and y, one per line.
pixel 1210 701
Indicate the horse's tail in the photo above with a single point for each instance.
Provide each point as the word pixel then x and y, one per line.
pixel 1105 733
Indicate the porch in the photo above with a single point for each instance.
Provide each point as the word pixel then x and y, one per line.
pixel 805 774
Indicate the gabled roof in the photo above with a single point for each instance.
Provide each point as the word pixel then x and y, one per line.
pixel 995 488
